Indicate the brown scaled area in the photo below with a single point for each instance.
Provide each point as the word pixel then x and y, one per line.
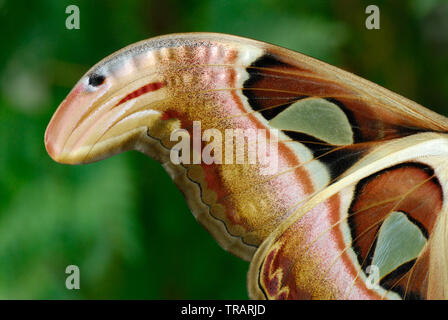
pixel 409 189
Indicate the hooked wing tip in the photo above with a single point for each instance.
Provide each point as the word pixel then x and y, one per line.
pixel 61 127
pixel 52 147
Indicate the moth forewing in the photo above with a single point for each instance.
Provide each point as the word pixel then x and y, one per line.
pixel 341 138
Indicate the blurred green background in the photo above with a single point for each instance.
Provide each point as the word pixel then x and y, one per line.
pixel 122 221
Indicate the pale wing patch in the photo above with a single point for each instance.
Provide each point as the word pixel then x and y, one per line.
pixel 319 118
pixel 399 241
pixel 318 171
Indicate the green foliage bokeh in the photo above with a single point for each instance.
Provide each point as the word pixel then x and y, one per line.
pixel 122 221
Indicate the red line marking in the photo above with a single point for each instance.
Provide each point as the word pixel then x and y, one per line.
pixel 153 86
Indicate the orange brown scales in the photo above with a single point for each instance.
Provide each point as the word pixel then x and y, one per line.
pixel 293 223
pixel 408 188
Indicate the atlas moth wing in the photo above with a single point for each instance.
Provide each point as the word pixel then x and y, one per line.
pixel 379 113
pixel 379 232
pixel 327 122
pixel 326 247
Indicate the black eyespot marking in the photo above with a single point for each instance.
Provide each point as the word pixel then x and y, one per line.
pixel 96 79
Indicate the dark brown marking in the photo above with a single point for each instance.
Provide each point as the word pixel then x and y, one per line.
pixel 386 191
